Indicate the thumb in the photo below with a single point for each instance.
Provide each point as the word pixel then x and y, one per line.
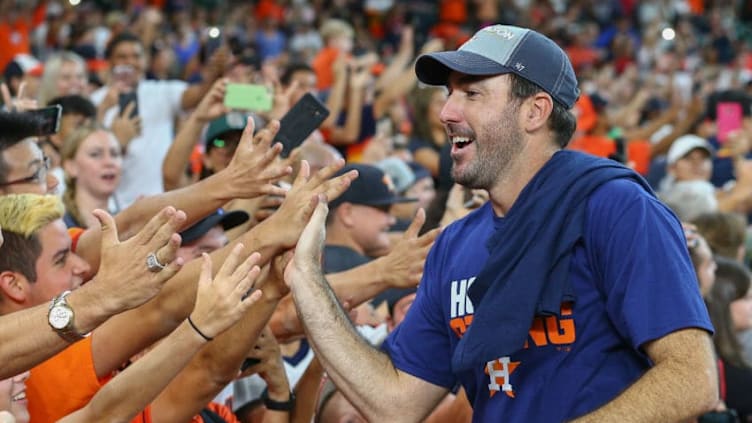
pixel 108 228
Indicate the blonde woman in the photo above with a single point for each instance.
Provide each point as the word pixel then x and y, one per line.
pixel 92 161
pixel 64 74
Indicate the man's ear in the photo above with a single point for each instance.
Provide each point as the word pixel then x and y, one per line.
pixel 344 214
pixel 13 286
pixel 538 109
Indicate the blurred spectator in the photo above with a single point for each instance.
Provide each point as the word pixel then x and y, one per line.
pixel 428 135
pixel 725 233
pixel 23 69
pixel 64 74
pixel 158 104
pixel 689 199
pixel 92 160
pixel 208 234
pixel 730 308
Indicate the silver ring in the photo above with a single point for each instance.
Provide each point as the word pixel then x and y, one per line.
pixel 153 264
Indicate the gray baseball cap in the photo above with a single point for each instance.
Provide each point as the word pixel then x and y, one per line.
pixel 500 49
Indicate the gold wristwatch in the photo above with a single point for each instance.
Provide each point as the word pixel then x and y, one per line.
pixel 61 318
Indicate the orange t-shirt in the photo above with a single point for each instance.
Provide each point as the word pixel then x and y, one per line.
pixel 65 383
pixel 594 144
pixel 322 64
pixel 14 39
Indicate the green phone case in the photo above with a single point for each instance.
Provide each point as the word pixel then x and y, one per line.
pixel 248 97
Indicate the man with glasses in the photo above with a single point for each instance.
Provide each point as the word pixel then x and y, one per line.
pixel 23 167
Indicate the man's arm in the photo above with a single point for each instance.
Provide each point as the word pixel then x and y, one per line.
pixel 682 384
pixel 251 172
pixel 128 333
pixel 365 375
pixel 26 338
pixel 401 268
pixel 219 304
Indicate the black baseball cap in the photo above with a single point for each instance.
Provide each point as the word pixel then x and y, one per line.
pixel 228 220
pixel 371 188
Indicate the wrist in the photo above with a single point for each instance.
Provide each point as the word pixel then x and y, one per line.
pixel 276 405
pixel 92 309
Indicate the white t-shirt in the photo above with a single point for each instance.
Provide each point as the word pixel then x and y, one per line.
pixel 158 107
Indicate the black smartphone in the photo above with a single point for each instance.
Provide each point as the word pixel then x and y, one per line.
pixel 50 119
pixel 125 99
pixel 249 362
pixel 300 121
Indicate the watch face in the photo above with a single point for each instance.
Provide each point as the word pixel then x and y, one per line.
pixel 60 317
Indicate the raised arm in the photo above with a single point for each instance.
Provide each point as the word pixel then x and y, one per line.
pixel 390 394
pixel 402 267
pixel 128 333
pixel 251 173
pixel 219 304
pixel 26 338
pixel 177 157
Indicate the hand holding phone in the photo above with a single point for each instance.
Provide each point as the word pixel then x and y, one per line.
pixel 300 121
pixel 126 98
pixel 728 119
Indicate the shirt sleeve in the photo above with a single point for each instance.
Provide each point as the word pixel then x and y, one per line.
pixel 645 272
pixel 420 345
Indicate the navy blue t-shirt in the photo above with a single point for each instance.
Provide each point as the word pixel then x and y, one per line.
pixel 633 280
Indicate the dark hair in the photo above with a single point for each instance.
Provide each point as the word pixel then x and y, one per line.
pixel 291 69
pixel 561 121
pixel 732 281
pixel 123 37
pixel 420 101
pixel 20 254
pixel 14 128
pixel 75 105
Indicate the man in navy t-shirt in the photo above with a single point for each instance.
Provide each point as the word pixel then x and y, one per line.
pixel 569 295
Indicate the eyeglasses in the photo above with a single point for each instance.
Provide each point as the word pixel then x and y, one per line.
pixel 38 176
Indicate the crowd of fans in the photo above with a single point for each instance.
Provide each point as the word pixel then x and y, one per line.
pixel 145 135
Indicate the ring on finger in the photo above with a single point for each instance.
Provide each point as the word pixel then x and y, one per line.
pixel 153 264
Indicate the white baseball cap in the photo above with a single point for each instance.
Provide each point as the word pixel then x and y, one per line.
pixel 686 143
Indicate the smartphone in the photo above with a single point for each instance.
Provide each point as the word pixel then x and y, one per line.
pixel 253 97
pixel 300 121
pixel 249 362
pixel 728 118
pixel 50 119
pixel 214 41
pixel 125 99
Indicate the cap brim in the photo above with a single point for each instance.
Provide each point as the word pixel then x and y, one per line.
pixel 390 201
pixel 228 221
pixel 434 68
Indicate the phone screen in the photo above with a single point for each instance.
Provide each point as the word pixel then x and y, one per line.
pixel 248 97
pixel 728 118
pixel 127 98
pixel 50 117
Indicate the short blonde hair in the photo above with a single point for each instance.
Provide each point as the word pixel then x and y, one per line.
pixel 22 216
pixel 48 85
pixel 335 28
pixel 26 214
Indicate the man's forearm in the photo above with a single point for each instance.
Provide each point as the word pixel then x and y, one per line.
pixel 355 286
pixel 346 356
pixel 672 391
pixel 216 365
pixel 26 339
pixel 197 201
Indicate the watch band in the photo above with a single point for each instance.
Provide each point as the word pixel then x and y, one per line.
pixel 278 405
pixel 68 333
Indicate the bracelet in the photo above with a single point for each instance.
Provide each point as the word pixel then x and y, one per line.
pixel 193 325
pixel 278 405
